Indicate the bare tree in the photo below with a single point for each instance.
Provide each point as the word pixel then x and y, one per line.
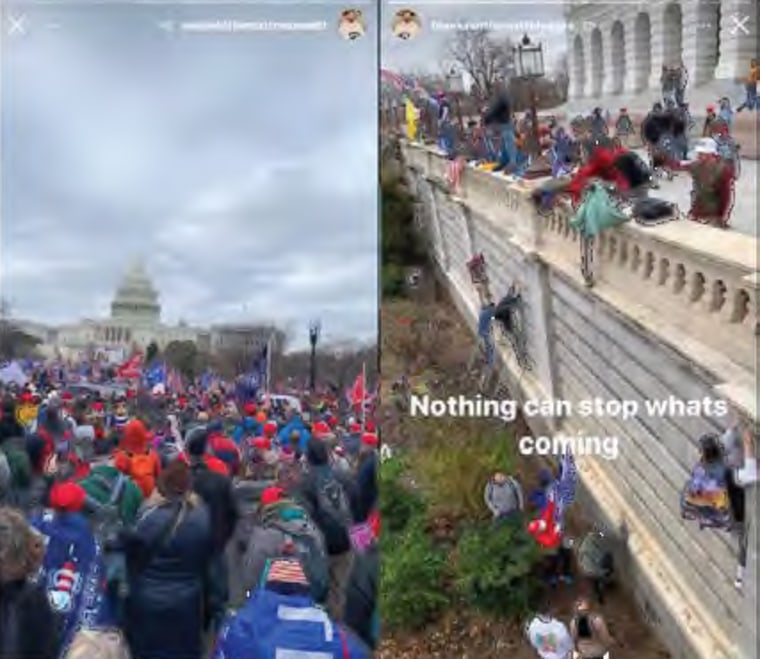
pixel 14 342
pixel 486 61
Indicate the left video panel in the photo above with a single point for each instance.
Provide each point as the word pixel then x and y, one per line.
pixel 188 328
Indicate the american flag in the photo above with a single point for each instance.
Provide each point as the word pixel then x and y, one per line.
pixel 286 571
pixel 454 170
pixel 174 381
pixel 394 79
pixel 562 491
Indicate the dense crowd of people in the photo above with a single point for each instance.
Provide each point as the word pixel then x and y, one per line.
pixel 164 526
pixel 598 145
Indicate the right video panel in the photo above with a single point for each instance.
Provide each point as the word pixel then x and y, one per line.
pixel 569 321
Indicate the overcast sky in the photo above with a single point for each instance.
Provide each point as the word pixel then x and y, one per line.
pixel 509 19
pixel 241 167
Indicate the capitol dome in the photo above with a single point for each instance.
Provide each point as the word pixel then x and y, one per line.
pixel 136 300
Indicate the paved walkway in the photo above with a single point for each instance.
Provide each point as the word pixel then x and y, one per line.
pixel 744 214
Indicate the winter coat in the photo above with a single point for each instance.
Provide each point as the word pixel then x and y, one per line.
pixel 28 626
pixel 216 491
pixel 166 610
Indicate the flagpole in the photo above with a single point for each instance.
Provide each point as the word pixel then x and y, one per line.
pixel 364 396
pixel 269 363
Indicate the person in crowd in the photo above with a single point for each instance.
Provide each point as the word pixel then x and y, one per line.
pixel 168 551
pixel 136 457
pixel 712 184
pixel 259 628
pixel 549 637
pixel 366 477
pixel 330 501
pixel 214 487
pixel 9 425
pixel 741 472
pixel 750 88
pixel 726 113
pixel 499 115
pixel 28 626
pixel 589 632
pixel 503 496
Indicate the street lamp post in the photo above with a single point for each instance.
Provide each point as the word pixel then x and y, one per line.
pixel 455 87
pixel 314 329
pixel 529 61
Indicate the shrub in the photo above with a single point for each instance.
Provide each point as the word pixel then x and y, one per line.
pixel 399 505
pixel 454 462
pixel 411 584
pixel 393 280
pixel 494 567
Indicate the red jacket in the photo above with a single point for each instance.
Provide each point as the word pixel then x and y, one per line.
pixel 600 165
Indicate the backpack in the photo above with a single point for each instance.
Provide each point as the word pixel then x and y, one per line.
pixel 273 625
pixel 705 499
pixel 632 166
pixel 72 573
pixel 19 464
pixel 333 510
pixel 595 557
pixel 295 524
pixel 118 496
pixel 142 468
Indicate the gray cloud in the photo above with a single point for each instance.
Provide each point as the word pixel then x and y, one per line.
pixel 242 167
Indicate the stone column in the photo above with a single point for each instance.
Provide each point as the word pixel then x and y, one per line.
pixel 632 65
pixel 738 38
pixel 578 84
pixel 608 75
pixel 700 41
pixel 657 43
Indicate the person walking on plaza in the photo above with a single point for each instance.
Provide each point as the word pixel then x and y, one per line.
pixel 750 88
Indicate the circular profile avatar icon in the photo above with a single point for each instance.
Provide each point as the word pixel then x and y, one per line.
pixel 406 24
pixel 351 24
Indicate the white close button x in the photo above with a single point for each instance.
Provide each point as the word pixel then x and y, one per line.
pixel 739 25
pixel 17 24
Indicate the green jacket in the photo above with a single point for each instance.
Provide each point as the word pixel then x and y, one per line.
pixel 99 485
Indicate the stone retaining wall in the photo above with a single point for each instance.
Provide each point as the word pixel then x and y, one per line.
pixel 673 312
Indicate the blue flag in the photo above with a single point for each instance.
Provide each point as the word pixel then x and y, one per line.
pixel 155 374
pixel 256 378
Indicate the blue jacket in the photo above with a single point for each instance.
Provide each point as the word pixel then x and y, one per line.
pixel 271 624
pixel 296 423
pixel 248 427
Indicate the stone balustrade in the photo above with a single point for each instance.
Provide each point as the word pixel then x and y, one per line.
pixel 694 286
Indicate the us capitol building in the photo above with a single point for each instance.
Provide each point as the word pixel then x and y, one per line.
pixel 134 323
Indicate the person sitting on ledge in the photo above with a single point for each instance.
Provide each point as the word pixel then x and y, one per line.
pixel 616 165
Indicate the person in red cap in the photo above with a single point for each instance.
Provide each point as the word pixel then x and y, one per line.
pixel 136 458
pixel 711 119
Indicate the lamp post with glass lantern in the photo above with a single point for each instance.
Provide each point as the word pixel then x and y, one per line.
pixel 455 87
pixel 529 62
